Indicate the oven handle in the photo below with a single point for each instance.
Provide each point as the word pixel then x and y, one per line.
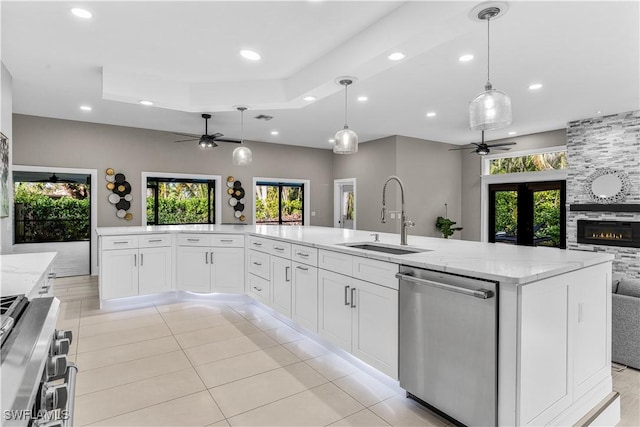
pixel 70 379
pixel 479 293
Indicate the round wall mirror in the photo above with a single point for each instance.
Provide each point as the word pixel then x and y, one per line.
pixel 607 186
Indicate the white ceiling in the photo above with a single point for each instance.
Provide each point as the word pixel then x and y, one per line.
pixel 184 57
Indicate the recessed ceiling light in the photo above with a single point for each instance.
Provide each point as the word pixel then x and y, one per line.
pixel 275 132
pixel 396 56
pixel 465 58
pixel 598 112
pixel 332 141
pixel 513 132
pixel 431 114
pixel 309 98
pixel 363 98
pixel 250 55
pixel 147 103
pixel 81 13
pixel 535 86
pixel 85 108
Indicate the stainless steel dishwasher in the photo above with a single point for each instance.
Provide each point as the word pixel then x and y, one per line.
pixel 448 352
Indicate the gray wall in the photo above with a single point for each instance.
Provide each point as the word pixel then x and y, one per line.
pixel 42 141
pixel 430 173
pixel 471 170
pixel 6 110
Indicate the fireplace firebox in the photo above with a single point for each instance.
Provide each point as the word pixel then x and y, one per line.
pixel 609 233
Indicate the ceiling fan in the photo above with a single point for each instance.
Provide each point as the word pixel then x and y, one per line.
pixel 206 140
pixel 55 180
pixel 483 148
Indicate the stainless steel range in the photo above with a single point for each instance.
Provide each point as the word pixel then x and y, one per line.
pixel 38 383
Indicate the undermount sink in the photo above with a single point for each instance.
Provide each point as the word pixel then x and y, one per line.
pixel 388 249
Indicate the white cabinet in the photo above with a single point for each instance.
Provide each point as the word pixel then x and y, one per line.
pixel 360 317
pixel 211 263
pixel 135 265
pixel 304 295
pixel 119 273
pixel 281 285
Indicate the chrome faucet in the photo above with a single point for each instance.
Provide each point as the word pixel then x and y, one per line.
pixel 405 223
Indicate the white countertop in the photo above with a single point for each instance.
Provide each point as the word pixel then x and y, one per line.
pixel 21 272
pixel 493 261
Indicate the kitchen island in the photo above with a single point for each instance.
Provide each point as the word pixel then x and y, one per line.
pixel 28 274
pixel 553 306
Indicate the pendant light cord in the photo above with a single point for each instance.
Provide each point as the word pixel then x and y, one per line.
pixel 488 50
pixel 346 88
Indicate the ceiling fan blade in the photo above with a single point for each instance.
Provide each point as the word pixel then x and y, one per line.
pixel 235 141
pixel 461 148
pixel 501 149
pixel 188 140
pixel 186 134
pixel 501 144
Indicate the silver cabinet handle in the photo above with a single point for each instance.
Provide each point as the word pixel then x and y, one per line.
pixel 346 294
pixel 302 254
pixel 51 276
pixel 226 240
pixel 287 275
pixel 141 259
pixel 135 260
pixel 206 258
pixel 353 298
pixel 480 293
pixel 121 242
pixel 299 267
pixel 256 244
pixel 155 240
pixel 257 263
pixel 211 257
pixel 278 248
pixel 192 240
pixel 257 289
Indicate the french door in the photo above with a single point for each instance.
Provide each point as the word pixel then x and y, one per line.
pixel 528 213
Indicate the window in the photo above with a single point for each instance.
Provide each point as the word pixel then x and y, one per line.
pixel 528 163
pixel 180 201
pixel 279 203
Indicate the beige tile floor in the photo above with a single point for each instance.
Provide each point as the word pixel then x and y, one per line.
pixel 214 363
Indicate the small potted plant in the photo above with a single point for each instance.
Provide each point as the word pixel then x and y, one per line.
pixel 444 225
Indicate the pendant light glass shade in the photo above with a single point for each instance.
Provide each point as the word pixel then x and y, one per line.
pixel 346 139
pixel 491 109
pixel 242 155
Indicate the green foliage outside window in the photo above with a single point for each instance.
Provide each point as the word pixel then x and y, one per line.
pixel 268 209
pixel 529 163
pixel 47 212
pixel 180 203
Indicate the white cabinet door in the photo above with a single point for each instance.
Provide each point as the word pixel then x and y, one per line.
pixel 375 326
pixel 227 270
pixel 304 304
pixel 281 285
pixel 119 276
pixel 334 308
pixel 194 272
pixel 154 271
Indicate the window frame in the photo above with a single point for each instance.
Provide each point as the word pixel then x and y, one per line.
pixel 306 196
pixel 217 188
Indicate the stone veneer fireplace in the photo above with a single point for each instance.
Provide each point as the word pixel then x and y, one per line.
pixel 604 142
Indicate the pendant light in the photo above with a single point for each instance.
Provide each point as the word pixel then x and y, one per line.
pixel 242 154
pixel 492 108
pixel 346 139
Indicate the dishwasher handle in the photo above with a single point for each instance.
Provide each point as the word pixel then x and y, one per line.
pixel 478 293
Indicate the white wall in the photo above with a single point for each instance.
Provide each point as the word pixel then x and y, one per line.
pixel 6 112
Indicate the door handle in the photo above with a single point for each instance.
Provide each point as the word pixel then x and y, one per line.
pixel 480 293
pixel 353 298
pixel 287 274
pixel 141 259
pixel 135 260
pixel 206 258
pixel 211 258
pixel 299 267
pixel 346 295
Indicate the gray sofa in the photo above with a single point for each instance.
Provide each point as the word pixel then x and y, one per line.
pixel 625 322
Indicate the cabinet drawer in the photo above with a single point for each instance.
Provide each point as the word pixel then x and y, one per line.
pixel 259 264
pixel 259 288
pixel 259 244
pixel 119 242
pixel 304 254
pixel 280 249
pixel 193 240
pixel 336 262
pixel 374 271
pixel 227 240
pixel 154 240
